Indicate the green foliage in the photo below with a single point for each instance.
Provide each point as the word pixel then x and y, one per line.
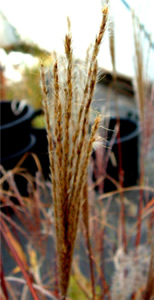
pixel 23 47
pixel 38 122
pixel 33 92
pixel 28 88
pixel 74 291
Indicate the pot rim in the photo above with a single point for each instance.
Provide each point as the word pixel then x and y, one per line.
pixel 22 151
pixel 27 116
pixel 132 135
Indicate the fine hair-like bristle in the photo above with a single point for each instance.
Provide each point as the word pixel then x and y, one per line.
pixel 68 92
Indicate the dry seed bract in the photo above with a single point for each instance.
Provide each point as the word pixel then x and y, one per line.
pixel 67 95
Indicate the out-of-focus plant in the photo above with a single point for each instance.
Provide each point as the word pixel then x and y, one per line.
pixel 38 122
pixel 28 236
pixel 27 88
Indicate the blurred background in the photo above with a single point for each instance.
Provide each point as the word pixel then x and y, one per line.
pixel 31 30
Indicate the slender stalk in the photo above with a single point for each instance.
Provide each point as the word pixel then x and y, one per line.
pixel 85 217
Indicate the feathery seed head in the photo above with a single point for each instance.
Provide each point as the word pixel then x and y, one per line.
pixel 68 89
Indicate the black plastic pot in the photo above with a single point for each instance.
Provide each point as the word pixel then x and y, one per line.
pixel 41 149
pixel 16 139
pixel 9 161
pixel 15 127
pixel 125 149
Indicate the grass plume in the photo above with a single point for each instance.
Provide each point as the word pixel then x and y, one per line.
pixel 69 141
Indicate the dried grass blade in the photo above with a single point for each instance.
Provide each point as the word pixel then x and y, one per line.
pixel 4 230
pixel 139 219
pixel 149 291
pixel 3 283
pixel 11 291
pixel 13 224
pixel 35 286
pixel 85 217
